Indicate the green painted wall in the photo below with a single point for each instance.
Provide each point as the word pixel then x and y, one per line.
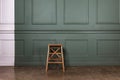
pixel 88 29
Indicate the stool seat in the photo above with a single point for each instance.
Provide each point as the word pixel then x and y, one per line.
pixel 55 55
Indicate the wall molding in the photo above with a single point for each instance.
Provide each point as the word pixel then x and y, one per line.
pixel 64 32
pixel 6 31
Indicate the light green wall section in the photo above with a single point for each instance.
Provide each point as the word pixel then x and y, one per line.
pixel 88 29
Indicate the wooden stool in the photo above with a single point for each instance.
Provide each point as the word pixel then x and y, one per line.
pixel 55 55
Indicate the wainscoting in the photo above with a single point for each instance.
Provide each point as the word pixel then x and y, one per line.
pixel 88 29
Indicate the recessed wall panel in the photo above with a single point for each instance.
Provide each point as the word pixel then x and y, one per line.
pixel 6 12
pixel 20 47
pixel 108 47
pixel 40 48
pixel 76 11
pixel 6 47
pixel 44 11
pixel 19 11
pixel 108 12
pixel 76 48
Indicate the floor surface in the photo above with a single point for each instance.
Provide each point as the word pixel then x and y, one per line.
pixel 72 73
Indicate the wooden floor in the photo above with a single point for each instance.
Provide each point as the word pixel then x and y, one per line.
pixel 72 73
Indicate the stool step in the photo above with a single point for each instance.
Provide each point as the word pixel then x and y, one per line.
pixel 55 59
pixel 55 62
pixel 55 53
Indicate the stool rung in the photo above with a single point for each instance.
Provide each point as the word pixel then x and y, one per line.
pixel 56 53
pixel 54 62
pixel 55 59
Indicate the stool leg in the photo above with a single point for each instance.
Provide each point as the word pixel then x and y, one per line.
pixel 63 63
pixel 46 67
pixel 63 67
pixel 47 62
